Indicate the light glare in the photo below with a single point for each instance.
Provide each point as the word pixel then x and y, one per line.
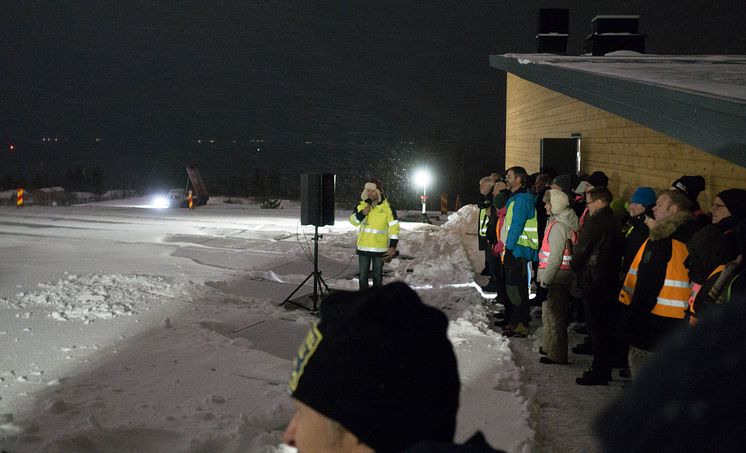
pixel 422 177
pixel 160 202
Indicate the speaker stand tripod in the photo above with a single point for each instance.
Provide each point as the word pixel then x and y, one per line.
pixel 318 290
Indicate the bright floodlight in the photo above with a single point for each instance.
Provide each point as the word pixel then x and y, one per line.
pixel 422 177
pixel 160 202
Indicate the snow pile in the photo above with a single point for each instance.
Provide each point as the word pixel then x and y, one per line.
pixel 193 353
pixel 97 296
pixel 463 221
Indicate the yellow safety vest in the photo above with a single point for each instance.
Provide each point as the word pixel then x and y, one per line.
pixel 530 235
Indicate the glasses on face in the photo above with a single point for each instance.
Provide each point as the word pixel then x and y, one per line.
pixel 717 206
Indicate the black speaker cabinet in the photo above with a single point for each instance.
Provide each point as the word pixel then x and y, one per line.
pixel 317 198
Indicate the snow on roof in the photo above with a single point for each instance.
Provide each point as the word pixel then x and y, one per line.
pixel 721 76
pixel 615 16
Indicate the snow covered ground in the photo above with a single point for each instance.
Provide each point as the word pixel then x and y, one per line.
pixel 126 329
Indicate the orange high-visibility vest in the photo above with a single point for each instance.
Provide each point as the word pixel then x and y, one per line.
pixel 545 251
pixel 696 287
pixel 190 201
pixel 19 197
pixel 673 297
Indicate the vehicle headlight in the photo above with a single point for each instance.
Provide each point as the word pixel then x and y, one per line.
pixel 160 202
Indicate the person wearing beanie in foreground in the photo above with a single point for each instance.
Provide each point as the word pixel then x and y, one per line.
pixel 377 373
pixel 378 233
pixel 691 397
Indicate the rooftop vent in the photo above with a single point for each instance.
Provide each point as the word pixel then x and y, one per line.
pixel 552 30
pixel 612 33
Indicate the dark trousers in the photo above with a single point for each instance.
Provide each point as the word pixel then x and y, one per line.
pixel 497 278
pixel 491 261
pixel 601 317
pixel 365 262
pixel 516 280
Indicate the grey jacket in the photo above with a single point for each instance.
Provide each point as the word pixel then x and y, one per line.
pixel 566 223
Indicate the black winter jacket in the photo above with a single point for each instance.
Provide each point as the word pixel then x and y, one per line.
pixel 636 235
pixel 597 256
pixel 711 246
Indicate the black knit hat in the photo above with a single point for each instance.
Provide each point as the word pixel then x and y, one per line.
pixel 690 185
pixel 598 179
pixel 565 182
pixel 735 201
pixel 380 363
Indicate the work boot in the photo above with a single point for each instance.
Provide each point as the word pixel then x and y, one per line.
pixel 548 361
pixel 489 288
pixel 594 377
pixel 583 348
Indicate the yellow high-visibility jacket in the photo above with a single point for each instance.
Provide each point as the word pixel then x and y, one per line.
pixel 378 231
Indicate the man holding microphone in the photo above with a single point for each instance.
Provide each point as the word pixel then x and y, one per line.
pixel 378 233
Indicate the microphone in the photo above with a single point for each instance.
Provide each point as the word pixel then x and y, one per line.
pixel 369 201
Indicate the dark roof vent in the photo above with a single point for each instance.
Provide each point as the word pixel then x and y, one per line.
pixel 552 30
pixel 612 33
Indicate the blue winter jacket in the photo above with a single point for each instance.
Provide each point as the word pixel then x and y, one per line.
pixel 524 208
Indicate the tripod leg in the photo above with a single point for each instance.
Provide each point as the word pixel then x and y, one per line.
pixel 296 290
pixel 321 280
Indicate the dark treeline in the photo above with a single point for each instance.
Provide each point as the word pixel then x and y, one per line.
pixel 262 169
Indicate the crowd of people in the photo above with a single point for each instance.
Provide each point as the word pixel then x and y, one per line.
pixel 661 288
pixel 630 272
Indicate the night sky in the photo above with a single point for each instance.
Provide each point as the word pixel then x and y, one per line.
pixel 351 87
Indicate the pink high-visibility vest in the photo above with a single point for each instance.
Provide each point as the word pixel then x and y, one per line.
pixel 545 252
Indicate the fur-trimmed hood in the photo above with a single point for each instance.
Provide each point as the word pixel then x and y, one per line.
pixel 568 217
pixel 666 228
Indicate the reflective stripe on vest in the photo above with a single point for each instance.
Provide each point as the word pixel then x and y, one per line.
pixel 484 219
pixel 530 235
pixel 696 287
pixel 545 251
pixel 672 300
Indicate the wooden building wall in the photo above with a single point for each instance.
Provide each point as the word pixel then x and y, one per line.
pixel 630 154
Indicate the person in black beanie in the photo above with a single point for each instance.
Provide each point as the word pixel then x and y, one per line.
pixel 598 179
pixel 713 247
pixel 376 373
pixel 692 186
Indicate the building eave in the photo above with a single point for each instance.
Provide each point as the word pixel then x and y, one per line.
pixel 712 123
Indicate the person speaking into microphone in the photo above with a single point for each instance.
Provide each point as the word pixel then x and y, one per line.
pixel 378 233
